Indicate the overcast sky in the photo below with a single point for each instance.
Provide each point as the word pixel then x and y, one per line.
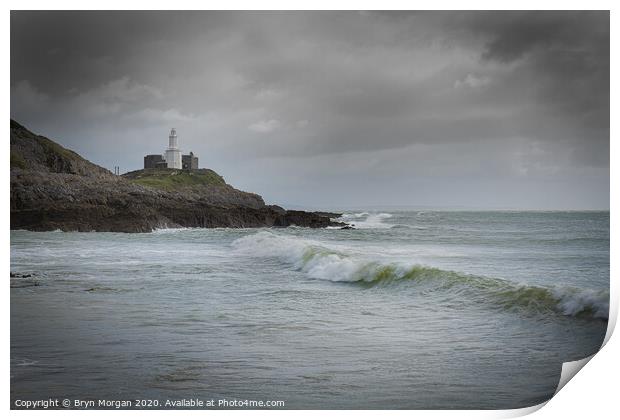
pixel 333 109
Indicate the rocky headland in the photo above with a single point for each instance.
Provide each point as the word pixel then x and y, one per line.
pixel 55 188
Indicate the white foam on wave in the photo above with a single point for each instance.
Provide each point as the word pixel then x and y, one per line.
pixel 268 244
pixel 164 230
pixel 572 301
pixel 365 220
pixel 308 256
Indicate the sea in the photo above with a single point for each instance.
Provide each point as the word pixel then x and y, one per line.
pixel 409 310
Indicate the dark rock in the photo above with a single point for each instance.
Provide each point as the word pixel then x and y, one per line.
pixel 277 209
pixel 328 214
pixel 23 285
pixel 20 275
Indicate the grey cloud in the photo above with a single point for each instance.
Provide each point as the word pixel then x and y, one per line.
pixel 468 88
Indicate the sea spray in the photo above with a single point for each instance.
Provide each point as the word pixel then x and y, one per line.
pixel 365 220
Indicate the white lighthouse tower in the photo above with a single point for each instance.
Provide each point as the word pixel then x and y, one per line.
pixel 173 154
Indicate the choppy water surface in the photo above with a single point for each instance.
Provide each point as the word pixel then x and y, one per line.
pixel 410 310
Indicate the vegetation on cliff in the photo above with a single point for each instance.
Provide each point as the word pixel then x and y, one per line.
pixel 174 179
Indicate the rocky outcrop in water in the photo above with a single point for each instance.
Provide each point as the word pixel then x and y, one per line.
pixel 55 188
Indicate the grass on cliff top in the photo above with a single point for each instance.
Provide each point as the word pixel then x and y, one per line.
pixel 171 179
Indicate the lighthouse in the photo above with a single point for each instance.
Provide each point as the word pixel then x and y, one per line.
pixel 172 157
pixel 173 154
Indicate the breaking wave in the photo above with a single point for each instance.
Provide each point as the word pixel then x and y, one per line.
pixel 367 220
pixel 320 262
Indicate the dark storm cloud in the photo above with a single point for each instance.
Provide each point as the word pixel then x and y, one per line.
pixel 569 53
pixel 527 89
pixel 515 34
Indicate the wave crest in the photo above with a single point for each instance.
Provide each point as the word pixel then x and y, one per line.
pixel 321 262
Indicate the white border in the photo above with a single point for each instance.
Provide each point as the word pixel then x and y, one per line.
pixel 591 395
